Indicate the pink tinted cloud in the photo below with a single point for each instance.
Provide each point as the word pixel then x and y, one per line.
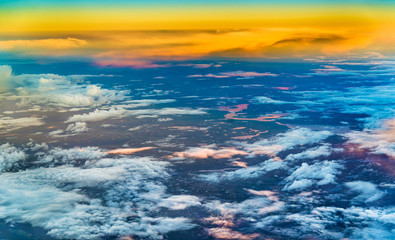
pixel 378 145
pixel 239 164
pixel 132 63
pixel 210 75
pixel 267 118
pixel 128 150
pixel 249 136
pixel 233 110
pixel 227 233
pixel 283 88
pixel 237 108
pixel 248 74
pixel 277 206
pixel 223 221
pixel 209 151
pixel 328 69
pixel 269 194
pixel 271 150
pixel 195 75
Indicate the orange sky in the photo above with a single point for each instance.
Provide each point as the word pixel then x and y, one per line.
pixel 137 36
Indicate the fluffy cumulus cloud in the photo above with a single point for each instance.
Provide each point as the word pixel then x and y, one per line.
pixel 320 173
pixel 10 157
pixel 321 151
pixel 266 211
pixel 367 192
pixel 71 156
pixel 250 207
pixel 361 223
pixel 71 130
pixel 130 192
pixel 77 127
pixel 228 220
pixel 34 94
pixel 298 137
pixel 288 140
pixel 57 90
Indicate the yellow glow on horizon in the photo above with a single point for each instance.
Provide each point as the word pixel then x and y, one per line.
pixel 72 19
pixel 135 36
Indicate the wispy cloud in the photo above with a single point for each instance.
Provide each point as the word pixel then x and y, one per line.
pixel 241 74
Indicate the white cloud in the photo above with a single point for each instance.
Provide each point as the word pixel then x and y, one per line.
pixel 249 207
pixel 378 141
pixel 71 156
pixel 9 124
pixel 135 128
pixel 169 111
pixel 130 191
pixel 375 101
pixel 330 69
pixel 245 173
pixel 165 119
pixel 320 173
pixel 57 133
pixel 98 115
pixel 299 184
pixel 209 151
pixel 79 177
pixel 57 90
pixel 119 112
pixel 5 76
pixel 311 224
pixel 287 140
pixel 241 74
pixel 362 223
pixel 93 90
pixel 267 100
pixel 368 192
pixel 148 102
pixel 10 157
pixel 272 146
pixel 228 215
pixel 179 202
pixel 77 127
pixel 321 151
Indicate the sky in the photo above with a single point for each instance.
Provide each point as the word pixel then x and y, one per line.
pixel 174 30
